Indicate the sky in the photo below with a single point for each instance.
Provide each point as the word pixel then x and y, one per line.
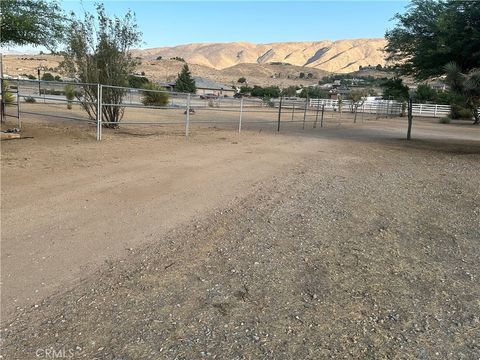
pixel 168 23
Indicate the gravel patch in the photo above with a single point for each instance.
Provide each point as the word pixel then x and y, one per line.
pixel 372 253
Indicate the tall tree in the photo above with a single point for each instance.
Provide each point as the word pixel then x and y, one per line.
pixel 394 89
pixel 468 85
pixel 98 52
pixel 32 22
pixel 185 82
pixel 431 34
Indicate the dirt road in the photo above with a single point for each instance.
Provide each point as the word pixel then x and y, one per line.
pixel 338 243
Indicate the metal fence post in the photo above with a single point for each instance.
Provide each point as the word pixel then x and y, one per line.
pixel 305 112
pixel 323 111
pixel 99 109
pixel 18 105
pixel 316 115
pixel 240 119
pixel 187 118
pixel 279 114
pixel 293 109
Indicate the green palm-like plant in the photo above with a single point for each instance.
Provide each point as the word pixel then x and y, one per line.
pixel 467 85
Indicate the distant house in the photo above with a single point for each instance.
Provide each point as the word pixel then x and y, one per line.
pixel 205 86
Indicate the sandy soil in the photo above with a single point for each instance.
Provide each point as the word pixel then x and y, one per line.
pixel 344 241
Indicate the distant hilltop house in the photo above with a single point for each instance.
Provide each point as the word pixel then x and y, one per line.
pixel 206 86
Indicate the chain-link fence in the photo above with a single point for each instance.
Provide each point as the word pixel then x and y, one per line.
pixel 108 106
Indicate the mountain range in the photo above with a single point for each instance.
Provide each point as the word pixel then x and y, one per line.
pixel 341 56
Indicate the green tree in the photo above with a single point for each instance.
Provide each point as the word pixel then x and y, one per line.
pixel 242 80
pixel 257 91
pixel 430 34
pixel 245 90
pixel 98 51
pixel 31 22
pixel 313 92
pixel 394 89
pixel 467 85
pixel 185 82
pixel 425 93
pixel 48 77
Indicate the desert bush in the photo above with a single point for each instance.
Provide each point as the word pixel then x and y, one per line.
pixel 30 100
pixel 154 97
pixel 444 120
pixel 69 90
pixel 460 112
pixel 8 97
pixel 48 77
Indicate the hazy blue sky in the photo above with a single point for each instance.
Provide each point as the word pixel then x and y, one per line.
pixel 172 23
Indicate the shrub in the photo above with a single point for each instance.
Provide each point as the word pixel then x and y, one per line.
pixel 48 77
pixel 154 97
pixel 159 58
pixel 138 82
pixel 242 80
pixel 444 120
pixel 69 94
pixel 30 100
pixel 460 112
pixel 8 97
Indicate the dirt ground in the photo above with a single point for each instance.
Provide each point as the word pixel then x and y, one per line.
pixel 337 242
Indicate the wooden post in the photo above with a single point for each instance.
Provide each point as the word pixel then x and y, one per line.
pixel 410 119
pixel 293 110
pixel 279 114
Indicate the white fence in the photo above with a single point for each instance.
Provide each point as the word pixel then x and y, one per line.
pixel 384 107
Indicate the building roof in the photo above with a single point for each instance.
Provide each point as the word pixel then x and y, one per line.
pixel 204 83
pixel 201 83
